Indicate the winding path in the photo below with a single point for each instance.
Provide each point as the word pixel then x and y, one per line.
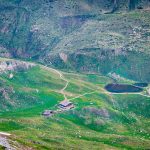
pixel 109 94
pixel 62 91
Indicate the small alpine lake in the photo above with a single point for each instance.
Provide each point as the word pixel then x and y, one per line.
pixel 122 88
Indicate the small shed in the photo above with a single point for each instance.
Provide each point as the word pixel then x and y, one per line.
pixel 66 104
pixel 48 113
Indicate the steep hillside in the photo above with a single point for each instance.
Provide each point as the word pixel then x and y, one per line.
pixel 107 43
pixel 99 36
pixel 99 119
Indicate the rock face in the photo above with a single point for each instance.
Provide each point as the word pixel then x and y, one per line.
pixel 63 56
pixel 14 66
pixel 88 35
pixel 5 144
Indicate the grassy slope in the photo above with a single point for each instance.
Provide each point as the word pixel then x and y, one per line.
pixel 123 121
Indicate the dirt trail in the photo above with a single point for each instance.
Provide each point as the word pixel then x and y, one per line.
pixel 108 93
pixel 82 95
pixel 67 82
pixel 104 92
pixel 4 134
pixel 131 94
pixel 62 91
pixel 66 85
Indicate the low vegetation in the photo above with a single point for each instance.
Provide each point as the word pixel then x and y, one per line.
pixel 99 119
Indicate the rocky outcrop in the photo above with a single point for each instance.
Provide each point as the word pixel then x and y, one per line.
pixel 13 65
pixel 5 143
pixel 63 56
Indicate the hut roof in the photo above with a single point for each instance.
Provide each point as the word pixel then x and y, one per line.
pixel 65 103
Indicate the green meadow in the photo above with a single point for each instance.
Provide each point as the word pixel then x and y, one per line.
pixel 99 120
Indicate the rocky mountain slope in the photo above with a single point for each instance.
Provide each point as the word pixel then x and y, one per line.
pixel 97 36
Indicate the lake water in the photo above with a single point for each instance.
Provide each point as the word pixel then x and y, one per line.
pixel 141 84
pixel 122 88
